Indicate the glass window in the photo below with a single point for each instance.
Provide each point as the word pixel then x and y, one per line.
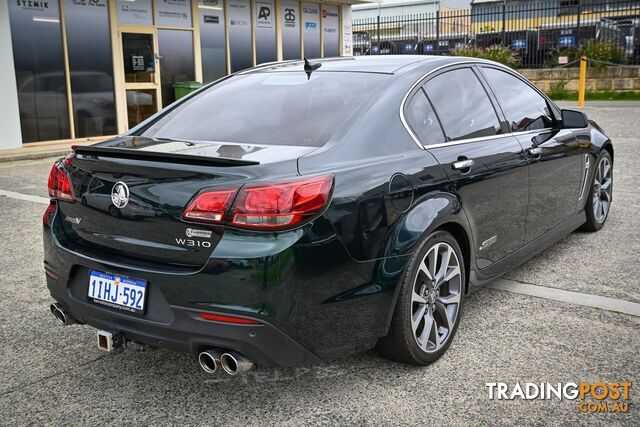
pixel 36 37
pixel 212 39
pixel 290 13
pixel 141 104
pixel 176 60
pixel 462 105
pixel 523 106
pixel 264 18
pixel 240 45
pixel 311 28
pixel 90 63
pixel 330 34
pixel 285 109
pixel 423 120
pixel 138 58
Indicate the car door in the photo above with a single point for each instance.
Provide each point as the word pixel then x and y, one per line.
pixel 454 117
pixel 556 167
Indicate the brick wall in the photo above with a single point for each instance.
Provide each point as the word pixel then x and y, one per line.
pixel 618 79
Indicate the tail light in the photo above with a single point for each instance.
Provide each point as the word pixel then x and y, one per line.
pixel 60 183
pixel 275 206
pixel 279 206
pixel 209 206
pixel 47 217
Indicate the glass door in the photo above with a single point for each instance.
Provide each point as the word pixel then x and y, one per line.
pixel 141 73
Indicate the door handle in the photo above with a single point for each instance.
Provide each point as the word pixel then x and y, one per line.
pixel 463 164
pixel 535 151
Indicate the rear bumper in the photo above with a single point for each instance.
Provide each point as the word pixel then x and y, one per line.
pixel 313 301
pixel 264 344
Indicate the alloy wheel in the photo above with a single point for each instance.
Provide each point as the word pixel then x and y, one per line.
pixel 435 299
pixel 602 190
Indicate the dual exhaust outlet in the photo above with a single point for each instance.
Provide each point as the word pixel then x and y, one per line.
pixel 231 362
pixel 210 360
pixel 62 317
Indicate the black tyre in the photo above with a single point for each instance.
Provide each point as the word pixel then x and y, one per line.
pixel 599 194
pixel 428 309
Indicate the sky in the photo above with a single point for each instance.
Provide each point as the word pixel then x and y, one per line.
pixel 456 3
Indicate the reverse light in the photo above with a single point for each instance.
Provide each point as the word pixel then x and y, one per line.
pixel 229 319
pixel 209 206
pixel 59 183
pixel 281 205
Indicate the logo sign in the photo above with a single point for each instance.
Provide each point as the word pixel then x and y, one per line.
pixel 192 232
pixel 563 60
pixel 33 4
pixel 137 63
pixel 120 195
pixel 264 12
pixel 566 41
pixel 289 17
pixel 518 44
pixel 210 19
pixel 310 25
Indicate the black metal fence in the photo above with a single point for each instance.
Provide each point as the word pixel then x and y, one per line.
pixel 530 34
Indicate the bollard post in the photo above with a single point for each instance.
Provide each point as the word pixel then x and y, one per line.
pixel 583 81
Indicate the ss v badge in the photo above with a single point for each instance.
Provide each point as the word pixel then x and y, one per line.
pixel 490 241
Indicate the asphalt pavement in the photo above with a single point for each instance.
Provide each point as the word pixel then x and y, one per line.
pixel 56 375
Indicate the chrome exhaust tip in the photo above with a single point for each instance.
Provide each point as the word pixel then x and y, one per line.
pixel 209 361
pixel 235 364
pixel 62 317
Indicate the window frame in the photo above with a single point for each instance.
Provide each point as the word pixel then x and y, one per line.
pixel 423 93
pixel 419 85
pixel 553 108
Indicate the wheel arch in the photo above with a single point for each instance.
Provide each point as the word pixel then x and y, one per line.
pixel 460 234
pixel 609 147
pixel 443 212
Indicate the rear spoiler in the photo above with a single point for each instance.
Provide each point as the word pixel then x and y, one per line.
pixel 155 156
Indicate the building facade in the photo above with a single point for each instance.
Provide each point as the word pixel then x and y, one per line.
pixel 79 69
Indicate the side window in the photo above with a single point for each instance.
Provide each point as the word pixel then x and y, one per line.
pixel 462 105
pixel 524 108
pixel 423 120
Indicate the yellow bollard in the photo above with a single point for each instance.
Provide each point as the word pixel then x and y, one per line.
pixel 583 81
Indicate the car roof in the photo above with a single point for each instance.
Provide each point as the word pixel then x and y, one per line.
pixel 385 64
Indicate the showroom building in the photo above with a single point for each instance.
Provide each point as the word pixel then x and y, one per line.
pixel 79 69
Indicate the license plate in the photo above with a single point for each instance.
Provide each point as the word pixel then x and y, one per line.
pixel 121 292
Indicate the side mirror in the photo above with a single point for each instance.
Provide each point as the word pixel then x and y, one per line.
pixel 574 119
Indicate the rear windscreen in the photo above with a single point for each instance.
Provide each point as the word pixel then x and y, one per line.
pixel 280 108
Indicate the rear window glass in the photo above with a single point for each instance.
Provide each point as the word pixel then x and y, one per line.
pixel 280 108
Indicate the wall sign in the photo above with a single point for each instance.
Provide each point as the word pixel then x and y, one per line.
pixel 263 16
pixel 212 39
pixel 137 63
pixel 240 46
pixel 175 13
pixel 137 12
pixel 347 32
pixel 290 13
pixel 311 20
pixel 330 34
